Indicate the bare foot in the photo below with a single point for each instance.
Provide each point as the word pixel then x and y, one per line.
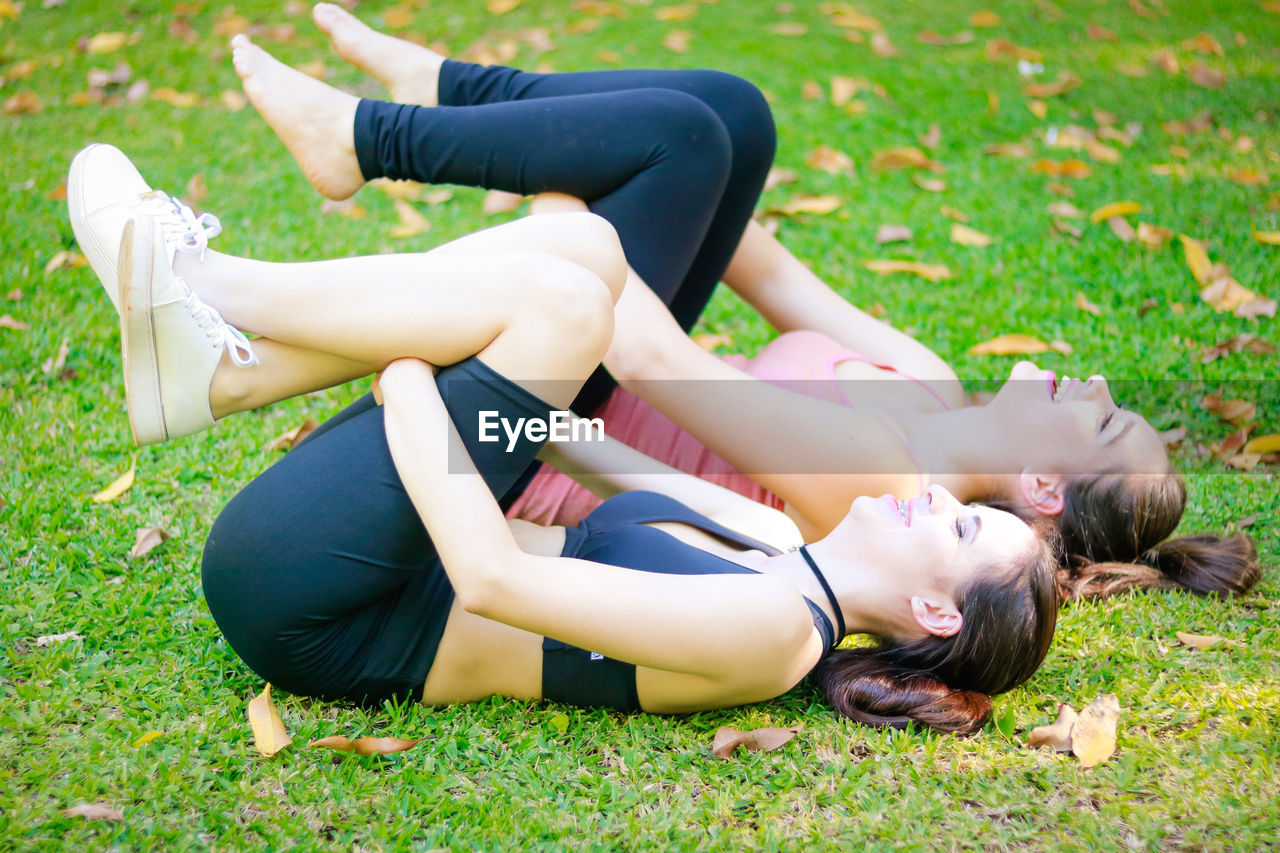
pixel 316 122
pixel 410 73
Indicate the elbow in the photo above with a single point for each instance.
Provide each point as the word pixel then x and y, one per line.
pixel 478 586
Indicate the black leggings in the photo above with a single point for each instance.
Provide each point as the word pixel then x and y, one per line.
pixel 675 160
pixel 320 573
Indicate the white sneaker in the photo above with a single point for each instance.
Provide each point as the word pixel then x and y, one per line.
pixel 103 191
pixel 172 342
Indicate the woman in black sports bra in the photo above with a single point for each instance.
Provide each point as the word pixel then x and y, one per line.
pixel 373 562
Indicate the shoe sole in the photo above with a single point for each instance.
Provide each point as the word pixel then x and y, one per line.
pixel 138 335
pixel 99 259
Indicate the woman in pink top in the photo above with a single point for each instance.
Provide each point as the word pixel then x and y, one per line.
pixel 1041 447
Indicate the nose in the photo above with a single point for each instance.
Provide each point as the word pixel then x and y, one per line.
pixel 940 500
pixel 1096 389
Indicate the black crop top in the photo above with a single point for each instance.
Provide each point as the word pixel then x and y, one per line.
pixel 615 533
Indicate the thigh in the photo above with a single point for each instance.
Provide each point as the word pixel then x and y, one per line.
pixel 320 573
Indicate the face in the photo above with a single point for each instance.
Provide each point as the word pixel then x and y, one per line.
pixel 1072 426
pixel 937 537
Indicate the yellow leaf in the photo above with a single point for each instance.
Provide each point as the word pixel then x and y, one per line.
pixel 365 745
pixel 984 18
pixel 9 9
pixel 1202 641
pixel 966 236
pixel 68 259
pixel 932 272
pixel 23 103
pixel 118 487
pixel 1262 444
pixel 411 221
pixel 269 736
pixel 500 7
pixel 1116 208
pixel 174 98
pixel 675 13
pixel 817 204
pixel 709 340
pixel 1271 238
pixel 1248 177
pixel 851 19
pixel 233 100
pixel 844 88
pixel 147 539
pixel 1153 236
pixel 1010 345
pixel 106 43
pixel 1083 303
pixel 728 739
pixel 1056 736
pixel 147 738
pixel 952 213
pixel 1037 107
pixel 1093 737
pixel 1197 258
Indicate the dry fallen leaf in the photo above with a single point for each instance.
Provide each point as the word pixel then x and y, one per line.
pixel 233 100
pixel 1062 168
pixel 1226 294
pixel 500 7
pixel 1097 32
pixel 118 487
pixel 1093 737
pixel 289 439
pixel 366 745
pixel 893 234
pixel 903 158
pixel 500 201
pixel 1037 107
pixel 1248 177
pixel 269 736
pixel 174 98
pixel 710 340
pixel 1116 208
pixel 1271 238
pixel 411 221
pixel 932 272
pixel 147 738
pixel 881 46
pixel 1057 735
pixel 65 259
pixel 106 43
pixel 1122 229
pixel 348 207
pixel 999 48
pixel 952 213
pixel 1204 43
pixel 95 811
pixel 1201 641
pixel 8 322
pixel 146 540
pixel 789 29
pixel 779 176
pixel 984 18
pixel 1255 308
pixel 49 639
pixel 931 137
pixel 930 37
pixel 829 160
pixel 1009 149
pixel 1065 209
pixel 1172 438
pixel 1197 258
pixel 1014 344
pixel 728 739
pixel 1262 443
pixel 817 204
pixel 1083 303
pixel 677 41
pixel 933 185
pixel 1153 236
pixel 1203 75
pixel 1234 411
pixel 1065 83
pixel 963 235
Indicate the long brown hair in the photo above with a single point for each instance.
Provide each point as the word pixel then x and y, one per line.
pixel 947 682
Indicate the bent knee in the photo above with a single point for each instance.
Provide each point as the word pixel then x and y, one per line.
pixel 744 111
pixel 571 304
pixel 599 250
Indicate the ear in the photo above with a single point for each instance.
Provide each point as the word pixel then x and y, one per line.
pixel 1042 492
pixel 936 615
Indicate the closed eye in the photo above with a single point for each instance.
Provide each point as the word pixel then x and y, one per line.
pixel 1106 421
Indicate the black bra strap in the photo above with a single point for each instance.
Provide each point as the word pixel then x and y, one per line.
pixel 826 587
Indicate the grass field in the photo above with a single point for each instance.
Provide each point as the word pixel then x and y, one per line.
pixel 1199 740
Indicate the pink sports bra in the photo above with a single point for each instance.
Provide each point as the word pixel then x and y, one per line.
pixel 803 361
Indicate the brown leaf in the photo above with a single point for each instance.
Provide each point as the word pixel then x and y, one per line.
pixel 710 340
pixel 881 46
pixel 405 190
pixel 1204 43
pixel 65 259
pixel 933 185
pixel 817 204
pixel 846 17
pixel 7 322
pixel 677 41
pixel 952 213
pixel 437 196
pixel 1201 641
pixel 1166 61
pixel 233 99
pixel 1009 149
pixel 366 745
pixel 1097 32
pixel 499 201
pixel 963 235
pixel 269 736
pixel 1093 737
pixel 49 639
pixel 95 811
pixel 790 29
pixel 1203 75
pixel 348 207
pixel 1234 411
pixel 1057 735
pixel 1014 344
pixel 1172 438
pixel 1065 209
pixel 1122 229
pixel 229 23
pixel 1062 168
pixel 197 190
pixel 1237 343
pixel 932 272
pixel 23 103
pixel 903 158
pixel 174 98
pixel 727 739
pixel 931 137
pixel 412 222
pixel 181 29
pixel 1065 83
pixel 778 176
pixel 829 160
pixel 118 486
pixel 1037 107
pixel 984 18
pixel 146 540
pixel 1248 177
pixel 999 48
pixel 1153 236
pixel 1227 294
pixel 893 234
pixel 930 37
pixel 55 364
pixel 1199 123
pixel 289 439
pixel 1255 308
pixel 1083 303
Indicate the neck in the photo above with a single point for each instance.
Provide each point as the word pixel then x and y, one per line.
pixel 966 451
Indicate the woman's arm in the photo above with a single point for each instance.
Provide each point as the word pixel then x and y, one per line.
pixel 733 630
pixel 609 467
pixel 790 297
pixel 816 455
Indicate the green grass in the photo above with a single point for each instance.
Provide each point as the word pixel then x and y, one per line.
pixel 1199 737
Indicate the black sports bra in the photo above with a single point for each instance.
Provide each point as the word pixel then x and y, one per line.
pixel 615 533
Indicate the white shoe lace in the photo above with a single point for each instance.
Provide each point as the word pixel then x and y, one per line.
pixel 182 229
pixel 219 331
